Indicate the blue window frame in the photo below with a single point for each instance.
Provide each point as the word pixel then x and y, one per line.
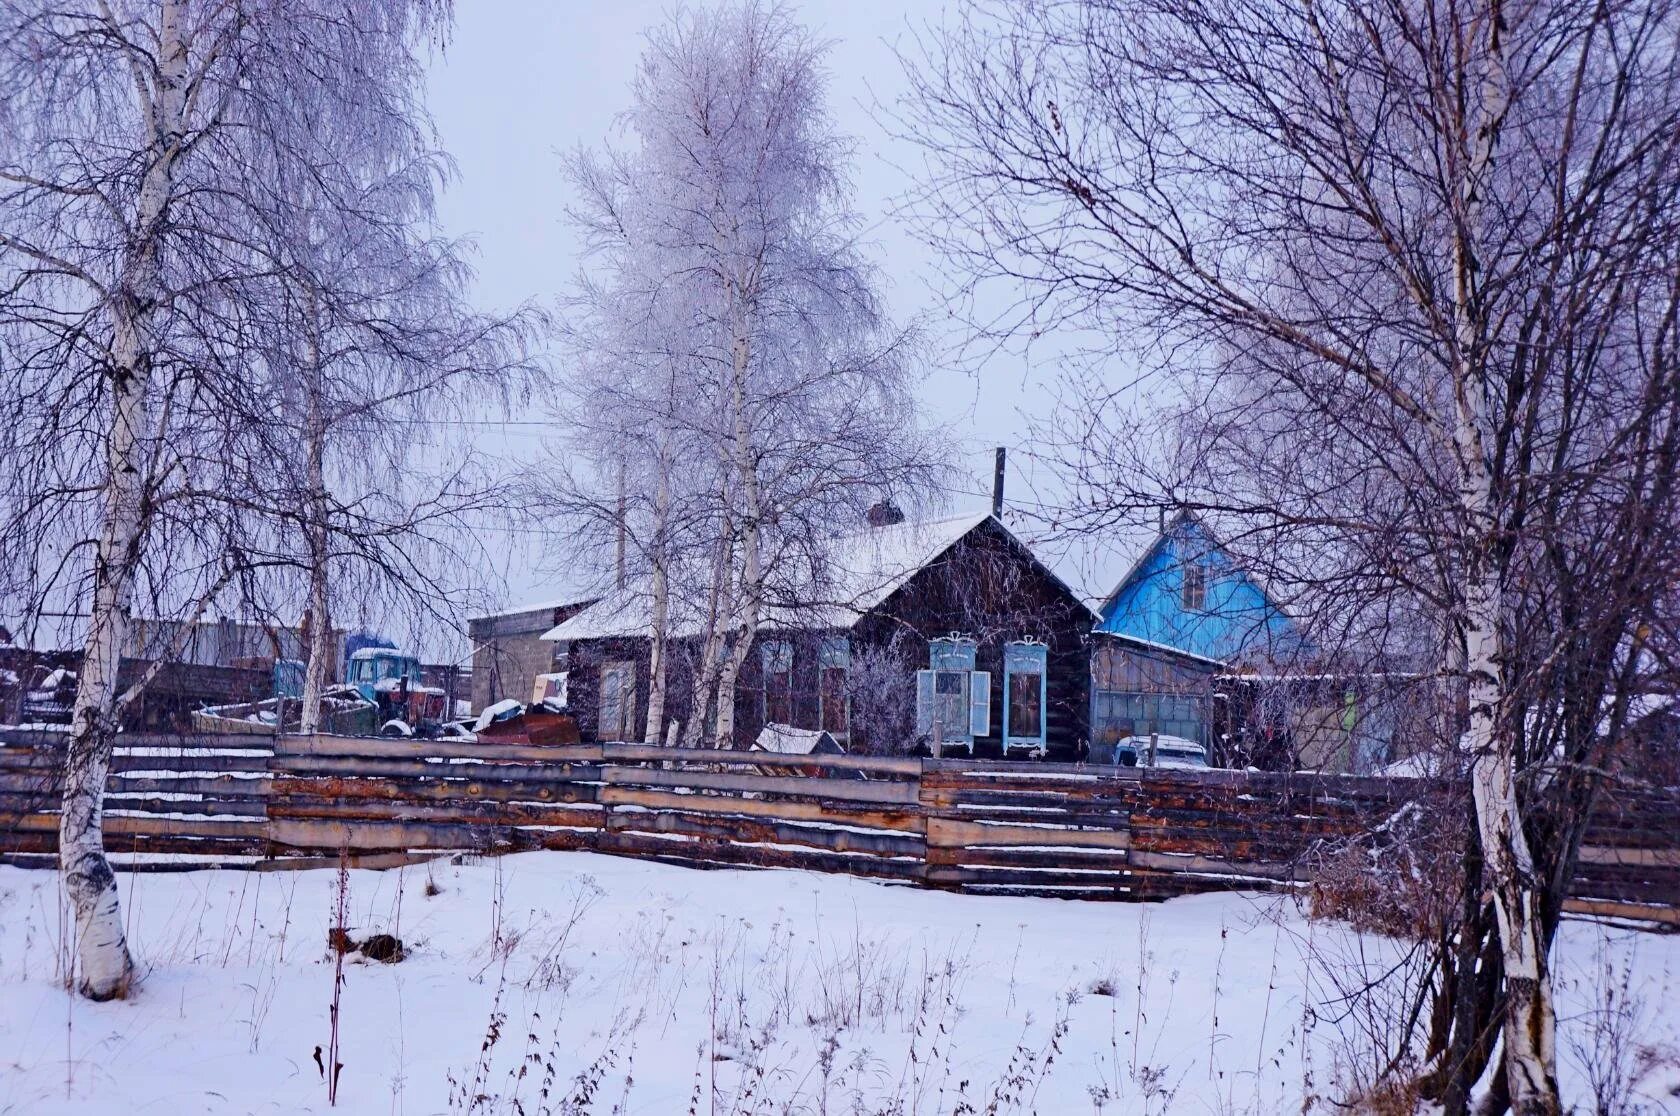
pixel 951 653
pixel 1025 670
pixel 953 700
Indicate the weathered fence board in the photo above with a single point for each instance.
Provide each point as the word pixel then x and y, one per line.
pixel 477 813
pixel 387 748
pixel 648 753
pixel 839 813
pixel 903 794
pixel 984 827
pixel 754 831
pixel 425 789
pixel 967 834
pixel 457 767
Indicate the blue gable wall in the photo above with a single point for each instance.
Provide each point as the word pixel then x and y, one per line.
pixel 1237 620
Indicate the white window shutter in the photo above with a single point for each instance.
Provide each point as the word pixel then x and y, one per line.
pixel 924 702
pixel 980 703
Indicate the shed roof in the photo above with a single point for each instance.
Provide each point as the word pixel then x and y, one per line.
pixel 568 601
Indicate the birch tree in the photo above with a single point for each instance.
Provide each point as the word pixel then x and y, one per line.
pixel 367 339
pixel 1440 237
pixel 634 483
pixel 725 227
pixel 130 132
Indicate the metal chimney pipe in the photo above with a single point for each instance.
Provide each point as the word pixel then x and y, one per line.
pixel 997 484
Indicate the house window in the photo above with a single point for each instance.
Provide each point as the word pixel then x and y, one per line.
pixel 834 660
pixel 1026 704
pixel 1023 686
pixel 1195 586
pixel 953 700
pixel 617 704
pixel 777 658
pixel 948 713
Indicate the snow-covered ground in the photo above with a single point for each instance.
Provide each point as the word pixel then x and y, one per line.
pixel 618 986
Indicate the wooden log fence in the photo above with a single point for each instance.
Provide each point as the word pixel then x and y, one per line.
pixel 268 801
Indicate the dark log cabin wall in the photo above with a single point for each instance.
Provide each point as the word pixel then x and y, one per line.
pixel 987 587
pixel 991 589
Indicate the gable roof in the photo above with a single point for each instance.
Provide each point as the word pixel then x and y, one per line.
pixel 1140 563
pixel 871 565
pixel 1240 617
pixel 1166 536
pixel 864 569
pixel 623 612
pixel 570 601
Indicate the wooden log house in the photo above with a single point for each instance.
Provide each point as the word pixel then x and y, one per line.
pixel 946 633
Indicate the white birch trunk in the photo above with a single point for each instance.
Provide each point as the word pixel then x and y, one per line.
pixel 1530 1025
pixel 320 625
pixel 661 606
pixel 745 627
pixel 723 730
pixel 320 639
pixel 752 576
pixel 705 679
pixel 101 946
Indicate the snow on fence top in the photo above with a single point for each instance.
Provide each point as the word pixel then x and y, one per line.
pixel 1041 829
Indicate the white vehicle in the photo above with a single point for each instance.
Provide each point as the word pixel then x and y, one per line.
pixel 1168 752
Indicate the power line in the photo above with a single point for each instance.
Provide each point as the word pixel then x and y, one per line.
pixel 478 422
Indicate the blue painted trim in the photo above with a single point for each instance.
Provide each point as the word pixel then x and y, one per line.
pixel 1030 657
pixel 1238 617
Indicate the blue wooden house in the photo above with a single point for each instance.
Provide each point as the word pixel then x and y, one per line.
pixel 1184 612
pixel 1187 593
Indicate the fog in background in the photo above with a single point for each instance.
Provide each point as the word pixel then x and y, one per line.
pixel 519 84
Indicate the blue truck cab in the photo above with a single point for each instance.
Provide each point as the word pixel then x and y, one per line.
pixel 376 669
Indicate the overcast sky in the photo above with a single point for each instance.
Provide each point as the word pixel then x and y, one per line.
pixel 521 83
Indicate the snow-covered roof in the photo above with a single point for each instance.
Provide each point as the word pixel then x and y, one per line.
pixel 789 741
pixel 537 606
pixel 873 564
pixel 866 567
pixel 621 612
pixel 379 653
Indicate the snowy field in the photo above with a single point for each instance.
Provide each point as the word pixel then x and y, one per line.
pixel 575 983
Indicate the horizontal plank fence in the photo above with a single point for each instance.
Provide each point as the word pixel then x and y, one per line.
pixel 1001 828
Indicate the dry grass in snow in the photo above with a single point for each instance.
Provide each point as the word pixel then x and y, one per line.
pixel 574 983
